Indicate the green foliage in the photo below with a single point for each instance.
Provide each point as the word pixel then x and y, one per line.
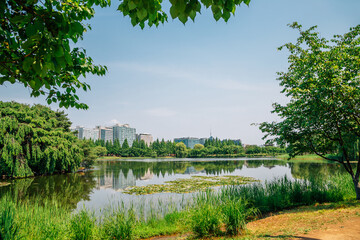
pixel 323 114
pixel 37 40
pixel 89 152
pixel 82 225
pixel 100 151
pixel 36 47
pixel 180 150
pixel 35 140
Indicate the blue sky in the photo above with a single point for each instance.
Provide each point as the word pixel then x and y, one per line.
pixel 176 80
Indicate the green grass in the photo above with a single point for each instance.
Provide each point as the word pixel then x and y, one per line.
pixel 303 158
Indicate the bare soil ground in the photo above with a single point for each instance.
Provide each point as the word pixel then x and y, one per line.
pixel 325 222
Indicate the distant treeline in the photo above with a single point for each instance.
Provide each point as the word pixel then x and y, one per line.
pixel 212 148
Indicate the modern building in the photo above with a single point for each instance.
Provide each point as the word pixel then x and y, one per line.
pixel 93 134
pixel 106 134
pixel 146 137
pixel 190 141
pixel 122 132
pixel 87 133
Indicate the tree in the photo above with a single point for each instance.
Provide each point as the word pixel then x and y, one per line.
pixel 36 36
pixel 180 150
pixel 35 141
pixel 323 114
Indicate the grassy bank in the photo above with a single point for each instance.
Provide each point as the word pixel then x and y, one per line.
pixel 303 158
pixel 209 213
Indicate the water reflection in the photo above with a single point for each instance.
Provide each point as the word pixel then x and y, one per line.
pixel 66 190
pixel 103 185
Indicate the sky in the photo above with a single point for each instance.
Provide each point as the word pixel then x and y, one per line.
pixel 179 81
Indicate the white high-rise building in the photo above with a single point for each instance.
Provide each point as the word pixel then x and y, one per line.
pixel 122 132
pixel 146 137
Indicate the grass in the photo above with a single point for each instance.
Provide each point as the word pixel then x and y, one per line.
pixel 222 213
pixel 303 158
pixel 8 226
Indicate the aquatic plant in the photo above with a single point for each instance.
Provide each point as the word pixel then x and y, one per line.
pixel 187 185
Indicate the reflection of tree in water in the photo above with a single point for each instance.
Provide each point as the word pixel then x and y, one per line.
pixel 140 169
pixel 314 170
pixel 66 190
pixel 264 163
pixel 218 167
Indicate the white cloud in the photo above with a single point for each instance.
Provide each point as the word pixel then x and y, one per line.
pixel 160 112
pixel 113 122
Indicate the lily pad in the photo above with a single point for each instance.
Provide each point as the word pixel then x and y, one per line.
pixel 187 185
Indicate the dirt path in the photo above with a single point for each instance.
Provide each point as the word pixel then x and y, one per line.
pixel 312 223
pixel 347 230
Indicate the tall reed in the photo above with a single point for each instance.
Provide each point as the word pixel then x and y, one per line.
pixel 9 229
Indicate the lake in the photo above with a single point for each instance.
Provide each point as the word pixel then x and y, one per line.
pixel 104 185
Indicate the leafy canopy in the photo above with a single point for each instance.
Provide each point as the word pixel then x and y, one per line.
pixel 323 84
pixel 36 39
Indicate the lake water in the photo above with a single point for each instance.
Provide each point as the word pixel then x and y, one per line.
pixel 103 186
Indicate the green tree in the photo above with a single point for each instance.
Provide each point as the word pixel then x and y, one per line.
pixel 323 114
pixel 180 150
pixel 100 151
pixel 198 146
pixel 88 152
pixel 36 140
pixel 36 40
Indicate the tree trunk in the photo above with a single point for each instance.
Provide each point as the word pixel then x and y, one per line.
pixel 357 188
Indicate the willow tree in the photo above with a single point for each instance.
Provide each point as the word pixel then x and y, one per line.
pixel 36 140
pixel 323 86
pixel 38 40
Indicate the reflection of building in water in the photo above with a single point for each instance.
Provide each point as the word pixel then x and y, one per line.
pixel 192 170
pixel 148 175
pixel 116 181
